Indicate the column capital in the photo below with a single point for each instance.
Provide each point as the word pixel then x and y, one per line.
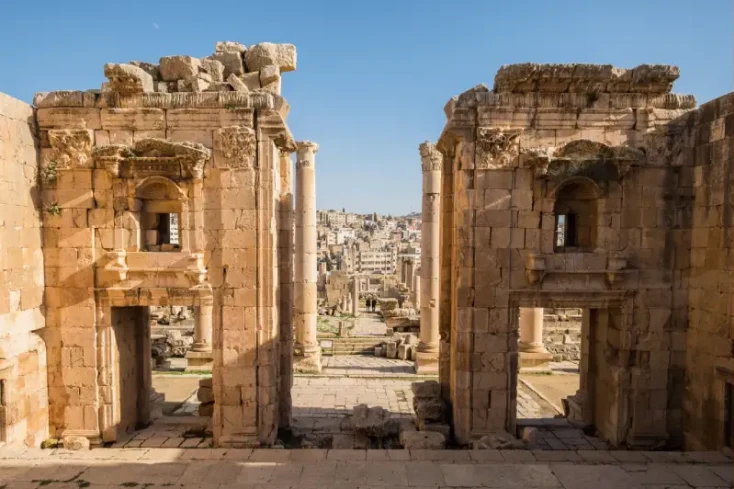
pixel 431 157
pixel 306 148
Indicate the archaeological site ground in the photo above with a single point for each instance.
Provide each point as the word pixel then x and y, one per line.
pixel 174 310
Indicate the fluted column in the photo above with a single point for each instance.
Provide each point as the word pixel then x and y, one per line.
pixel 307 354
pixel 427 353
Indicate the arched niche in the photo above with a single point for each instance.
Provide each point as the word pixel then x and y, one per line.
pixel 576 210
pixel 162 205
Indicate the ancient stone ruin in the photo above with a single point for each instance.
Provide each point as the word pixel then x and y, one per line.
pixel 564 186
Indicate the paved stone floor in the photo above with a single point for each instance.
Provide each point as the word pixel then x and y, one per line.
pixel 367 366
pixel 369 469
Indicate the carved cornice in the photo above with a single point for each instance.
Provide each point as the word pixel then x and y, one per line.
pixel 496 148
pixel 150 157
pixel 234 147
pixel 431 157
pixel 71 148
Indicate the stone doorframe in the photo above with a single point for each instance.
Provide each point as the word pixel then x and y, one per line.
pixel 620 303
pixel 106 299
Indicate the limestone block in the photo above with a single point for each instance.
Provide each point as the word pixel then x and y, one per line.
pixel 149 68
pixel 174 68
pixel 427 389
pixel 68 118
pixel 141 119
pixel 205 395
pixel 214 68
pixel 206 409
pixel 252 80
pixel 404 352
pixel 391 349
pixel 619 118
pixel 269 74
pixel 128 79
pixel 267 53
pixel 60 98
pixel 231 62
pixel 369 421
pixel 422 440
pixel 237 84
pixel 206 118
pixel 229 47
pixel 75 443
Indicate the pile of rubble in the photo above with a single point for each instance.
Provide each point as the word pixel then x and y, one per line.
pixel 430 409
pixel 377 426
pixel 205 395
pixel 232 67
pixel 401 346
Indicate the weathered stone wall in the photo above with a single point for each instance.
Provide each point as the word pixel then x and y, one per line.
pixel 562 333
pixel 129 371
pixel 23 375
pixel 212 157
pixel 511 152
pixel 704 140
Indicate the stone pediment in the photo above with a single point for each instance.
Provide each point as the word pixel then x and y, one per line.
pixel 153 157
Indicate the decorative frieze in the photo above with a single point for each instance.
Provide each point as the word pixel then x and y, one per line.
pixel 496 148
pixel 71 148
pixel 234 147
pixel 150 157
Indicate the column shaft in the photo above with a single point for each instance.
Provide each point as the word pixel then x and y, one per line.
pixel 427 354
pixel 308 353
pixel 532 351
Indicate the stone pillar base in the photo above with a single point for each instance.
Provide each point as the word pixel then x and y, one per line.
pixel 199 360
pixel 426 363
pixel 534 359
pixel 309 363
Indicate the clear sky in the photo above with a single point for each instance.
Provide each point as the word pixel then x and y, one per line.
pixel 372 77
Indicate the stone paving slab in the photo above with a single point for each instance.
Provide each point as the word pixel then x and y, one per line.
pixel 326 469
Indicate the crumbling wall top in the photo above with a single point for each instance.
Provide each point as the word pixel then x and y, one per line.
pixel 585 78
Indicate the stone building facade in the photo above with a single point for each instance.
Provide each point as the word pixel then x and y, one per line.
pixel 590 187
pixel 100 178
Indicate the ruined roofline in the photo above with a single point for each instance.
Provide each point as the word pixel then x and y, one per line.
pixel 585 78
pixel 233 67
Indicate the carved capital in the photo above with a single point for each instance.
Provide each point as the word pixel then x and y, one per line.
pixel 496 148
pixel 306 154
pixel 71 148
pixel 234 147
pixel 431 157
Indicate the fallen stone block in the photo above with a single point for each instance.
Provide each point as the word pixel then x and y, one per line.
pixel 127 79
pixel 231 61
pixel 206 409
pixel 378 351
pixel 442 428
pixel 429 409
pixel 75 442
pixel 237 84
pixel 229 47
pixel 206 382
pixel 174 68
pixel 397 425
pixel 500 440
pixel 391 349
pixel 403 352
pixel 267 53
pixel 205 394
pixel 428 388
pixel 149 68
pixel 214 68
pixel 269 74
pixel 370 421
pixel 422 440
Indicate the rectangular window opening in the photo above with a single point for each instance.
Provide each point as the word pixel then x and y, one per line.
pixel 566 231
pixel 165 235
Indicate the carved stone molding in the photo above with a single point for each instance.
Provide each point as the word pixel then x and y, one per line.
pixel 149 157
pixel 71 148
pixel 234 147
pixel 496 148
pixel 431 157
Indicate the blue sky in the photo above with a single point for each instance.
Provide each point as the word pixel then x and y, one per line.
pixel 372 77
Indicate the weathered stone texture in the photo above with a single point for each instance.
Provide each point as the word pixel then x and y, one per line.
pixel 23 371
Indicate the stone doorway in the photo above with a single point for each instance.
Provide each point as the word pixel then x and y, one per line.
pixel 132 368
pixel 558 408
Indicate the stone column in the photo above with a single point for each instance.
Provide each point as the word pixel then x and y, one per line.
pixel 355 296
pixel 201 357
pixel 307 354
pixel 427 353
pixel 417 289
pixel 532 351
